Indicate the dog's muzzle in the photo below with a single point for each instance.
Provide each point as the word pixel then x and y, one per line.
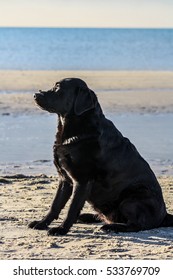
pixel 38 95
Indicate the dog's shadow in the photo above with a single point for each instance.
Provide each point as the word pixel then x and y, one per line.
pixel 158 236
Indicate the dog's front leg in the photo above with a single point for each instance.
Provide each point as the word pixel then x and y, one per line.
pixel 63 194
pixel 80 195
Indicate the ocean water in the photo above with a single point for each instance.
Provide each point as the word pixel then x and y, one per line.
pixel 86 49
pixel 32 147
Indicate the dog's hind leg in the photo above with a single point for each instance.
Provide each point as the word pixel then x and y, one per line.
pixel 89 218
pixel 142 213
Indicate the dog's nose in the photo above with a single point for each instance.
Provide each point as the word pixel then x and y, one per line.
pixel 35 95
pixel 38 95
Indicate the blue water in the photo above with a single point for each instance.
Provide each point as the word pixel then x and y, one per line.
pixel 151 134
pixel 86 49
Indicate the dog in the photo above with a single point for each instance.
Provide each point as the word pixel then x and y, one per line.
pixel 97 164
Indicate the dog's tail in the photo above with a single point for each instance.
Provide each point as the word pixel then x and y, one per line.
pixel 168 221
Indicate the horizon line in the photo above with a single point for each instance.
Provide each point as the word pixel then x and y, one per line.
pixel 91 27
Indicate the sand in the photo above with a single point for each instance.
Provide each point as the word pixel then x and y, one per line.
pixel 24 198
pixel 140 91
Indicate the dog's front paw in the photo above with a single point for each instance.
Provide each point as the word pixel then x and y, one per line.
pixel 33 224
pixel 38 225
pixel 57 231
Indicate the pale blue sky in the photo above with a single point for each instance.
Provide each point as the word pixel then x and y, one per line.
pixel 87 13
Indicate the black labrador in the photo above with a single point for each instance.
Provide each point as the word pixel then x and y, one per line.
pixel 97 164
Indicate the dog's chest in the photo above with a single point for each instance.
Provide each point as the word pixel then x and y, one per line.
pixel 69 160
pixel 64 157
pixel 78 161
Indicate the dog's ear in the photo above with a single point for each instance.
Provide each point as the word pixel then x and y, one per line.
pixel 84 101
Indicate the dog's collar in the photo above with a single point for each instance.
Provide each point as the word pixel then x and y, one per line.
pixel 76 139
pixel 71 140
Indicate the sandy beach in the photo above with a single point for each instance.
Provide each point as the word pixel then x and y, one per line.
pixel 26 196
pixel 118 91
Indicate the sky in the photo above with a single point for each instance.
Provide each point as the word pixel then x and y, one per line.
pixel 87 13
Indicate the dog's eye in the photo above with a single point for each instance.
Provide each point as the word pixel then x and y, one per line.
pixel 56 89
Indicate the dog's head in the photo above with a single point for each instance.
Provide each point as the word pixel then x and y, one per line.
pixel 68 96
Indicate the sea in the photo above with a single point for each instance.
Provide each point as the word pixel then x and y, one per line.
pixel 86 49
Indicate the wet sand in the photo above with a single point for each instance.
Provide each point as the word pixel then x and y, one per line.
pixel 140 91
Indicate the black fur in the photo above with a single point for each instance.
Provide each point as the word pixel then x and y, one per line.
pixel 99 165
